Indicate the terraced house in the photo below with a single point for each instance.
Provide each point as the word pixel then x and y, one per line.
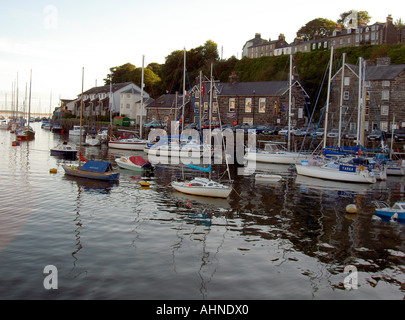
pixel 384 93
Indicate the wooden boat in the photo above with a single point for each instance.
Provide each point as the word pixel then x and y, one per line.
pixel 127 144
pixel 203 187
pixel 396 212
pixel 64 149
pixel 25 134
pixel 135 163
pixel 99 170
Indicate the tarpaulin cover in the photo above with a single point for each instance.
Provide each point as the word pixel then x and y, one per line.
pixel 96 166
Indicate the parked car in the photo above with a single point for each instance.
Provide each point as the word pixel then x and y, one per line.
pixel 352 134
pixel 318 132
pixel 302 132
pixel 334 133
pixel 284 131
pixel 214 124
pixel 271 130
pixel 260 128
pixel 399 134
pixel 375 135
pixel 155 124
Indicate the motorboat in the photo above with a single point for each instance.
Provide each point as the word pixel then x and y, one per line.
pixel 395 213
pixel 76 131
pixel 92 140
pixel 135 163
pixel 65 150
pixel 25 133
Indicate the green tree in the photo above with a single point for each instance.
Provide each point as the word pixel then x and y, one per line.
pixel 317 27
pixel 363 17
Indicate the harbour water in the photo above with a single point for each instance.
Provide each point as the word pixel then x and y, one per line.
pixel 290 239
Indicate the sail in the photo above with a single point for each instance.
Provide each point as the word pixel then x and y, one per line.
pixel 208 169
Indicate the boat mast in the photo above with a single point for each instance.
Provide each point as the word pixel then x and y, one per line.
pixel 184 89
pixel 81 119
pixel 328 98
pixel 142 79
pixel 289 105
pixel 359 101
pixel 341 99
pixel 210 114
pixel 29 102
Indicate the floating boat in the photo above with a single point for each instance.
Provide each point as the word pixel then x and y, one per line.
pixel 268 177
pixel 127 144
pixel 273 153
pixel 92 140
pixel 76 131
pixel 99 170
pixel 203 187
pixel 57 128
pixel 135 163
pixel 25 134
pixel 337 172
pixel 396 212
pixel 64 149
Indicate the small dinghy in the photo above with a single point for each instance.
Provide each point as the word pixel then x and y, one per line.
pixel 135 163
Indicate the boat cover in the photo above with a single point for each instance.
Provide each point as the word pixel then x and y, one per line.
pixel 96 166
pixel 139 161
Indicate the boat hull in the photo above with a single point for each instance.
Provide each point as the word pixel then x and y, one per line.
pixel 106 176
pixel 277 157
pixel 390 214
pixel 127 145
pixel 128 165
pixel 321 172
pixel 201 191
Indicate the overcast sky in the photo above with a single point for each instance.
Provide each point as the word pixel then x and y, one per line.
pixel 57 38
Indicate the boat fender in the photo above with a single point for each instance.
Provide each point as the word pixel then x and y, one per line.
pixel 53 170
pixel 394 217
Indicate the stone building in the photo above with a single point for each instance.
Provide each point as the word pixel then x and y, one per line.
pixel 384 95
pixel 261 103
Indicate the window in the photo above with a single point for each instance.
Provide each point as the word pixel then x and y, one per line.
pixel 205 107
pixel 384 125
pixel 248 105
pixel 215 107
pixel 231 104
pixel 347 81
pixel 385 95
pixel 386 83
pixel 128 106
pixel 262 105
pixel 384 110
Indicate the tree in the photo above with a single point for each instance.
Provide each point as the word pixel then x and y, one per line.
pixel 363 18
pixel 317 27
pixel 120 74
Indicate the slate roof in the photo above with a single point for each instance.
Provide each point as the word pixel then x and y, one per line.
pixel 374 73
pixel 106 88
pixel 260 88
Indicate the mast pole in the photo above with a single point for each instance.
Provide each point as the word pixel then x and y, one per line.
pixel 328 98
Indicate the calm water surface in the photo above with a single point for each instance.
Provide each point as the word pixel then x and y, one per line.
pixel 286 240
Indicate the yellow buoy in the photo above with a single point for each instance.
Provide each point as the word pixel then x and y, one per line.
pixel 145 184
pixel 53 170
pixel 351 208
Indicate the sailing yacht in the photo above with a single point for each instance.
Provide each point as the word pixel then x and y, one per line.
pixel 337 170
pixel 27 133
pixel 205 186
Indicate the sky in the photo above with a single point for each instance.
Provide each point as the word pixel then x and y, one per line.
pixel 57 39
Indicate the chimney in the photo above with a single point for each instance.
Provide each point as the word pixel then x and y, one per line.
pixel 233 79
pixel 383 61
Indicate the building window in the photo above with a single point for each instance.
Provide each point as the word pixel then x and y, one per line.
pixel 205 107
pixel 384 125
pixel 231 104
pixel 347 81
pixel 384 110
pixel 386 83
pixel 215 107
pixel 262 105
pixel 385 95
pixel 248 105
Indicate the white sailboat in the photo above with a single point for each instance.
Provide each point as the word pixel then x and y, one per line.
pixel 272 151
pixel 205 186
pixel 336 170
